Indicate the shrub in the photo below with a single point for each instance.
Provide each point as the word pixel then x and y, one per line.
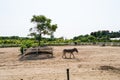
pixel 25 44
pixel 21 49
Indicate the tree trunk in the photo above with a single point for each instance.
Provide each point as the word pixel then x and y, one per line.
pixel 39 39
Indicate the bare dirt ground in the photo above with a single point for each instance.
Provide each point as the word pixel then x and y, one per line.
pixel 91 63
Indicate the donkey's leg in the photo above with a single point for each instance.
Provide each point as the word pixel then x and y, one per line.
pixel 73 55
pixel 70 55
pixel 64 55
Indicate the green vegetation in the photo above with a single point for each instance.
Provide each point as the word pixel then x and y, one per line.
pixel 98 36
pixel 26 42
pixel 43 27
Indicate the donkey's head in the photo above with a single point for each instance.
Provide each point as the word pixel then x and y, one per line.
pixel 75 49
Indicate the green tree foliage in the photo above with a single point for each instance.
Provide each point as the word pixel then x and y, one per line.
pixel 105 33
pixel 100 34
pixel 43 27
pixel 115 34
pixel 91 38
pixel 81 38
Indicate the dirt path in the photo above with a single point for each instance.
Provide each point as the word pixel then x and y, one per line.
pixel 91 63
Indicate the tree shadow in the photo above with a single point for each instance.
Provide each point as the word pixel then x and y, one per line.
pixel 2 52
pixel 35 56
pixel 110 68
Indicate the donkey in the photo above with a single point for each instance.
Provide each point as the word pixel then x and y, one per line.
pixel 69 51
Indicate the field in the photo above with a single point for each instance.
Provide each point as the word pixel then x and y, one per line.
pixel 91 63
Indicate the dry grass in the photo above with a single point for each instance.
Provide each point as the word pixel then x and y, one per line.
pixel 91 63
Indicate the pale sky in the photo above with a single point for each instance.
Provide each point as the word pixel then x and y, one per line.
pixel 73 17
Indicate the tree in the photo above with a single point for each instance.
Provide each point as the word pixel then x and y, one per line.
pixel 91 38
pixel 52 30
pixel 43 27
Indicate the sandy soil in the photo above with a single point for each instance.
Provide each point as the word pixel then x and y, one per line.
pixel 91 63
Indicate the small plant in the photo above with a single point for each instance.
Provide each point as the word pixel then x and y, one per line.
pixel 21 49
pixel 25 44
